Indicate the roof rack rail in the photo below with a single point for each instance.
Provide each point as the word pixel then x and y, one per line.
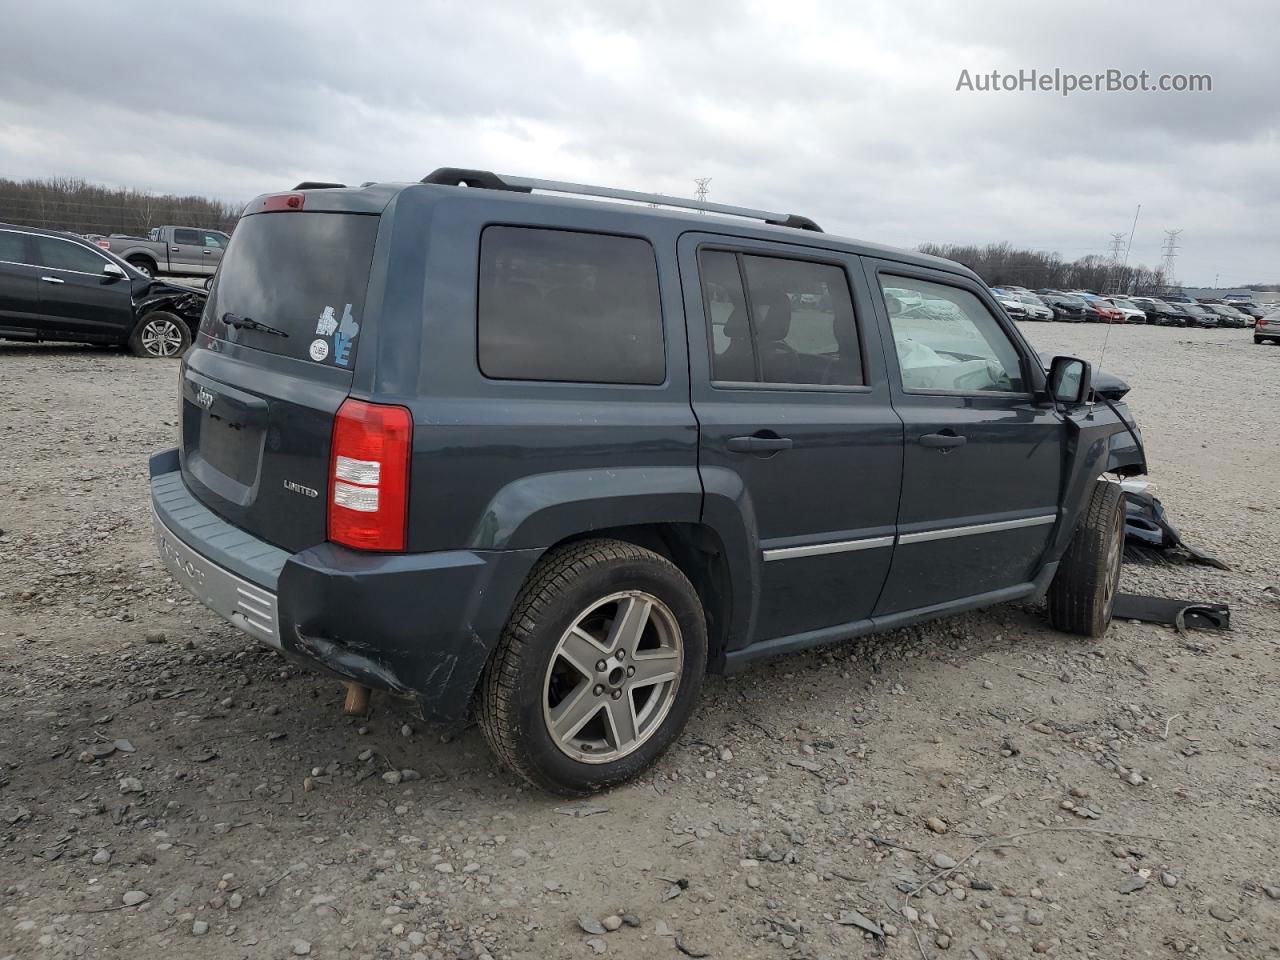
pixel 455 176
pixel 318 185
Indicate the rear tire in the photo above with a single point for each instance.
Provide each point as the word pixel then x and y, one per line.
pixel 143 266
pixel 1083 591
pixel 549 712
pixel 160 335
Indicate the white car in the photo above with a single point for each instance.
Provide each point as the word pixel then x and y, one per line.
pixel 1012 305
pixel 1132 312
pixel 1036 308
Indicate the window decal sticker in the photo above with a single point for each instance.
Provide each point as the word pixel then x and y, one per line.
pixel 345 337
pixel 327 323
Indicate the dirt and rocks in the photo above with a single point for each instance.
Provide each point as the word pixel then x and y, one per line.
pixel 981 787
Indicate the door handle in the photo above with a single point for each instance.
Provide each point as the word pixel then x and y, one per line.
pixel 52 280
pixel 175 249
pixel 763 445
pixel 207 252
pixel 942 441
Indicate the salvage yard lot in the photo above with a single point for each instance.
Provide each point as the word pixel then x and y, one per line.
pixel 804 797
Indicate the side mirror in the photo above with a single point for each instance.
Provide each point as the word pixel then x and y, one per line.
pixel 1070 381
pixel 112 270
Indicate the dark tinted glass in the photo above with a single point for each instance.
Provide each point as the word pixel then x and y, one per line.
pixel 802 327
pixel 304 274
pixel 65 255
pixel 12 247
pixel 803 322
pixel 732 350
pixel 187 236
pixel 559 305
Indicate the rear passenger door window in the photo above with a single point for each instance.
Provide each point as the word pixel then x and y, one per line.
pixel 779 320
pixel 13 247
pixel 63 255
pixel 948 341
pixel 567 306
pixel 191 237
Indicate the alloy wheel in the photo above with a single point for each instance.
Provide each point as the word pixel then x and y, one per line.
pixel 161 338
pixel 613 677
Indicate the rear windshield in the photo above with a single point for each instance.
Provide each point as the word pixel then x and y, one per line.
pixel 301 274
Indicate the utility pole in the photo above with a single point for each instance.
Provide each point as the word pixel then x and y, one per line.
pixel 1170 253
pixel 702 189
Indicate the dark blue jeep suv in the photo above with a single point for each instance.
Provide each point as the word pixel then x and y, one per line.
pixel 548 460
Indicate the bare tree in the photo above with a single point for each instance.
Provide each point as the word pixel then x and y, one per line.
pixel 65 203
pixel 1002 263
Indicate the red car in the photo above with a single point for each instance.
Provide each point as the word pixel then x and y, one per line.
pixel 1099 311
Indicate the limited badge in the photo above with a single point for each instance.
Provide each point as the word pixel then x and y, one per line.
pixel 319 350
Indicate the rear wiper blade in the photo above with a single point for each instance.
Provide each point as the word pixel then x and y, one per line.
pixel 245 323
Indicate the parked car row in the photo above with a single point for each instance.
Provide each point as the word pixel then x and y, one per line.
pixel 1077 306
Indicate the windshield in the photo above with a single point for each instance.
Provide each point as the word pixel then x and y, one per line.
pixel 299 274
pixel 1125 304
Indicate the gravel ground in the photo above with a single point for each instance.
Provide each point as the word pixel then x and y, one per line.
pixel 170 789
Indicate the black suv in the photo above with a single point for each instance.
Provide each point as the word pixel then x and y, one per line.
pixel 550 460
pixel 58 286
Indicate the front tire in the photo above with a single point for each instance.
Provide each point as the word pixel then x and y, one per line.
pixel 598 668
pixel 1083 592
pixel 160 335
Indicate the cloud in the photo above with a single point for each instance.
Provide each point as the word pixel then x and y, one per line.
pixel 848 114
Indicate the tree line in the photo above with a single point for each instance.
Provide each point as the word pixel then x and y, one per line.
pixel 66 203
pixel 1002 263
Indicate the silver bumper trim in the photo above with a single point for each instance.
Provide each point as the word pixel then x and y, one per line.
pixel 239 602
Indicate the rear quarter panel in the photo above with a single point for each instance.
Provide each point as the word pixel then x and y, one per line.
pixel 507 464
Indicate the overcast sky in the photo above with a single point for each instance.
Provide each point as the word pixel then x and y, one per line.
pixel 847 113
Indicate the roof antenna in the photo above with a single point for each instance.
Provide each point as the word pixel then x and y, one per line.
pixel 1123 265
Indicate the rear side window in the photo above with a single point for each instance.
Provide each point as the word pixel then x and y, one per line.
pixel 303 274
pixel 65 255
pixel 187 236
pixel 567 306
pixel 775 320
pixel 13 247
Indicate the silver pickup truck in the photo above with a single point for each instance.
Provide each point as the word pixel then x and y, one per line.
pixel 171 251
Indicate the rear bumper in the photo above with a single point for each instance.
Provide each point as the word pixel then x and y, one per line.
pixel 421 625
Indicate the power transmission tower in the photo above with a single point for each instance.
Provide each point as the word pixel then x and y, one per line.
pixel 1117 246
pixel 702 189
pixel 1170 253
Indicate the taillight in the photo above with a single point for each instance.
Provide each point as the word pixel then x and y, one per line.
pixel 369 476
pixel 105 244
